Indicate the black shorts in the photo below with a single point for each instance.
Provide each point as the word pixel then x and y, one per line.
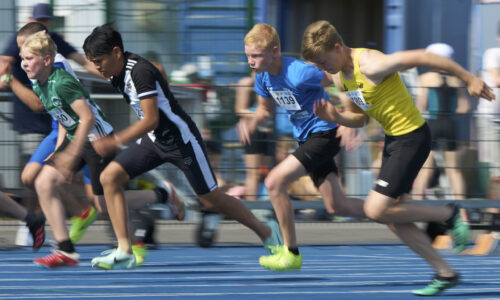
pixel 444 134
pixel 95 162
pixel 402 159
pixel 316 154
pixel 262 143
pixel 191 158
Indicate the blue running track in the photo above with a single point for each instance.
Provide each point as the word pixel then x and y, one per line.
pixel 383 271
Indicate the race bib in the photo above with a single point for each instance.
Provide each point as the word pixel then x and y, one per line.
pixel 63 118
pixel 357 97
pixel 285 99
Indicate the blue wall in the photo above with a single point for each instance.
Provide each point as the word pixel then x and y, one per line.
pixel 217 28
pixel 433 21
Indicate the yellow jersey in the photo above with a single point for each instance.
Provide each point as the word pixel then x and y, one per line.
pixel 389 103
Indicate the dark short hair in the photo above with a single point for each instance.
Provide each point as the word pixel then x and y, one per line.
pixel 102 40
pixel 31 28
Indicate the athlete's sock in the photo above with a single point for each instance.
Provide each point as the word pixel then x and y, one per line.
pixel 66 246
pixel 162 195
pixel 294 250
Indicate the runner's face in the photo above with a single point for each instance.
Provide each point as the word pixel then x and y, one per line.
pixel 259 60
pixel 108 64
pixel 32 63
pixel 327 61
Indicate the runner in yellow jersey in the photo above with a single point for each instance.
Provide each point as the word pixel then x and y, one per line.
pixel 373 88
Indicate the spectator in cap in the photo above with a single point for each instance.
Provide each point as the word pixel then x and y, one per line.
pixel 41 11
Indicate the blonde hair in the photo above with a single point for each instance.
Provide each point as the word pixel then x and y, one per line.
pixel 40 43
pixel 319 37
pixel 263 37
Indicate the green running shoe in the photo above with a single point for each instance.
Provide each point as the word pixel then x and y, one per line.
pixel 140 251
pixel 437 285
pixel 275 238
pixel 460 231
pixel 79 224
pixel 114 259
pixel 281 260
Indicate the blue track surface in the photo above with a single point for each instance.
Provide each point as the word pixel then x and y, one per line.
pixel 232 272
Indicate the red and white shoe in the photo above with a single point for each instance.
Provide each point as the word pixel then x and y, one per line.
pixel 58 259
pixel 174 203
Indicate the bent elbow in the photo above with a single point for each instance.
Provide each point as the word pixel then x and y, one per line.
pixel 154 124
pixel 38 107
pixel 90 119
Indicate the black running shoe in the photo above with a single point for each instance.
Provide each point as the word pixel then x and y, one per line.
pixel 434 229
pixel 37 230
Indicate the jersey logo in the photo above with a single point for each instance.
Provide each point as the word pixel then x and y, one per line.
pixel 188 160
pixel 345 88
pixel 382 183
pixel 360 85
pixel 57 102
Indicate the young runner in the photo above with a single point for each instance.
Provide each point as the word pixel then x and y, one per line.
pixel 294 85
pixel 373 88
pixel 165 133
pixel 65 99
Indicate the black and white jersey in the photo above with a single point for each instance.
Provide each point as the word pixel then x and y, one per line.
pixel 139 80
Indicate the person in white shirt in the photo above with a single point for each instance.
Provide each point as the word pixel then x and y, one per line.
pixel 488 114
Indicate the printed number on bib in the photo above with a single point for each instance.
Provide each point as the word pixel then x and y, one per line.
pixel 357 97
pixel 285 99
pixel 63 118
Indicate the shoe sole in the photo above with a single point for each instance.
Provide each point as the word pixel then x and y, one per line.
pixel 108 267
pixel 51 268
pixel 282 270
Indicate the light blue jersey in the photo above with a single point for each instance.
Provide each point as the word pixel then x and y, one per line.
pixel 296 89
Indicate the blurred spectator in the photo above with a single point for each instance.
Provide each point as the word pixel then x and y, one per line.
pixel 488 118
pixel 410 79
pixel 438 101
pixel 259 153
pixel 32 127
pixel 154 58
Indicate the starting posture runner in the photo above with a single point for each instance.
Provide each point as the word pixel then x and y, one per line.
pixel 294 85
pixel 162 193
pixel 88 214
pixel 166 134
pixel 66 101
pixel 373 88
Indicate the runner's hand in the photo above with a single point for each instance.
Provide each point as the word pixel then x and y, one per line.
pixel 350 138
pixel 478 88
pixel 325 110
pixel 245 128
pixel 106 145
pixel 64 161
